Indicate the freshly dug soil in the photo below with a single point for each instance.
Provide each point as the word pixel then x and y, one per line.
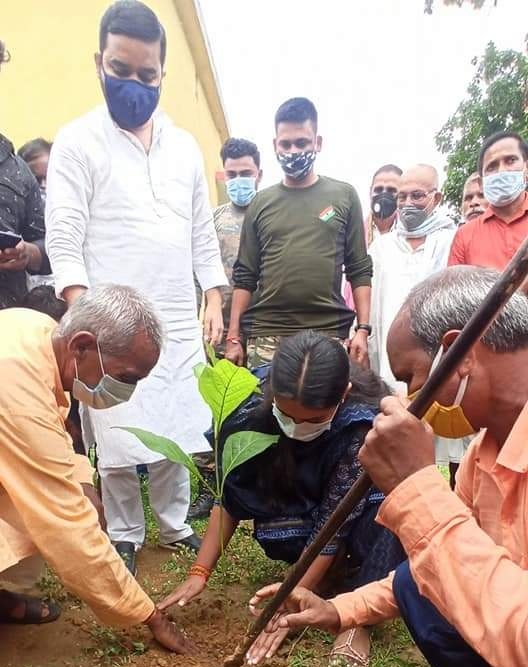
pixel 215 623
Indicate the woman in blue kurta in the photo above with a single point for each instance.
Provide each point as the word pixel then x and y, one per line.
pixel 321 406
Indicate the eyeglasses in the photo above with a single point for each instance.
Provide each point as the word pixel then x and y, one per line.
pixel 416 196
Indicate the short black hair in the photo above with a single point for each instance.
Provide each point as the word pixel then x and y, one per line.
pixel 132 19
pixel 32 149
pixel 43 299
pixel 296 110
pixel 235 148
pixel 392 168
pixel 498 136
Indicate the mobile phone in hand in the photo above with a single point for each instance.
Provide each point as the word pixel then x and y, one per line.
pixel 9 240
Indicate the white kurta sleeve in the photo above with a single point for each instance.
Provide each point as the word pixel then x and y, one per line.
pixel 69 190
pixel 207 261
pixel 376 319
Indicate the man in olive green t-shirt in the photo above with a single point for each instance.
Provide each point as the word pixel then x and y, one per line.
pixel 296 238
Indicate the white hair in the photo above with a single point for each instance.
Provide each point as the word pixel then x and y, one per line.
pixel 116 314
pixel 448 299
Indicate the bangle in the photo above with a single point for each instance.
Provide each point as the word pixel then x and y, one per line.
pixel 234 339
pixel 200 571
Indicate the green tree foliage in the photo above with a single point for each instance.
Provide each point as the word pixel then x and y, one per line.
pixel 477 4
pixel 496 100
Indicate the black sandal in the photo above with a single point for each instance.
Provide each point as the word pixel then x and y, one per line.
pixel 33 609
pixel 127 551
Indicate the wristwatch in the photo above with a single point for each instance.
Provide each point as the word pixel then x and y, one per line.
pixel 364 327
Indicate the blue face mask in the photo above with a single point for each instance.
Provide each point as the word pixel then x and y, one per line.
pixel 241 189
pixel 130 103
pixel 504 187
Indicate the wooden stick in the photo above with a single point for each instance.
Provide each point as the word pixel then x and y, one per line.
pixel 507 283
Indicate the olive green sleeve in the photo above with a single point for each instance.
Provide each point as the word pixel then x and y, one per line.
pixel 358 264
pixel 246 270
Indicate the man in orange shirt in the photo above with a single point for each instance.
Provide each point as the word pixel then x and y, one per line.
pixel 492 238
pixel 107 341
pixel 463 592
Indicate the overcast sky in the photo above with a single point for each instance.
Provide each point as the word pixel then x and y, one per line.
pixel 383 76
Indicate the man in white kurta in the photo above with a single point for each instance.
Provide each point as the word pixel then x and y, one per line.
pixel 131 206
pixel 401 259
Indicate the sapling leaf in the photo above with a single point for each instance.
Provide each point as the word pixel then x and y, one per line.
pixel 224 387
pixel 165 446
pixel 211 354
pixel 199 369
pixel 242 446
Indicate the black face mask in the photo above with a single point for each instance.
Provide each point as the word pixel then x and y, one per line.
pixel 383 205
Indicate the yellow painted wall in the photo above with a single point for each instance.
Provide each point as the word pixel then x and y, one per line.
pixel 51 77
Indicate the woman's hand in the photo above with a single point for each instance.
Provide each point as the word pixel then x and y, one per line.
pixel 184 593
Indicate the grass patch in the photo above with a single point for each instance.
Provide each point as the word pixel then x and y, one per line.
pixel 113 648
pixel 245 564
pixel 245 567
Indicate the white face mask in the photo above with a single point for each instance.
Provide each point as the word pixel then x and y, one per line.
pixel 504 187
pixel 108 392
pixel 305 431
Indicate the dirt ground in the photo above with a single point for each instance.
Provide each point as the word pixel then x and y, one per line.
pixel 216 622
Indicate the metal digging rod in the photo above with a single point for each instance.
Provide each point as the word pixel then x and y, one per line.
pixel 510 279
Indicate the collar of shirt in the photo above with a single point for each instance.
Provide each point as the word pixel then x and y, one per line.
pixel 6 148
pixel 513 455
pixel 490 213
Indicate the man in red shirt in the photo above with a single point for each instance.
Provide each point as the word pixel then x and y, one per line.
pixel 492 239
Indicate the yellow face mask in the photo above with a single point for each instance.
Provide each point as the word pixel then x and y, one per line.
pixel 448 421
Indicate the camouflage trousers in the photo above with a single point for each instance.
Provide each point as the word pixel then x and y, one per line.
pixel 261 350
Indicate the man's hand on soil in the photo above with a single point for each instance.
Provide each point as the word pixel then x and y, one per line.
pixel 301 608
pixel 168 635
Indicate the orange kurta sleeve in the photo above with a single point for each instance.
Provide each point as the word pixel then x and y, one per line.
pixel 37 472
pixel 472 581
pixel 368 605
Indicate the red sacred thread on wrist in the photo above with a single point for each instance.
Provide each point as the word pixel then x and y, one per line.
pixel 233 339
pixel 200 571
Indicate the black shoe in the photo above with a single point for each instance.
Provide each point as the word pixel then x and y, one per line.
pixel 193 542
pixel 202 506
pixel 127 551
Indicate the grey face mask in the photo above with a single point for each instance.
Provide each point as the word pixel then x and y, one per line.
pixel 108 392
pixel 413 217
